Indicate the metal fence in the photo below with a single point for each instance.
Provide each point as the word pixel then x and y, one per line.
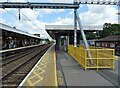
pixel 100 58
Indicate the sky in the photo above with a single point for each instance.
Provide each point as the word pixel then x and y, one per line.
pixel 34 21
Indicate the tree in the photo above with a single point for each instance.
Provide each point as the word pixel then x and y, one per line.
pixel 109 29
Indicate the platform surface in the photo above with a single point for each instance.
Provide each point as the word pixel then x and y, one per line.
pixel 76 76
pixel 44 72
pixel 117 66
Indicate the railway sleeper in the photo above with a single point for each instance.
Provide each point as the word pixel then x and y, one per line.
pixel 16 79
pixel 18 75
pixel 9 85
pixel 17 66
pixel 13 59
pixel 20 52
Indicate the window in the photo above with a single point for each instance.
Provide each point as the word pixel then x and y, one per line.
pixel 102 44
pixel 97 44
pixel 112 45
pixel 106 45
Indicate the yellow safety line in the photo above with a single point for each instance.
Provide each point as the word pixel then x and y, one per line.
pixel 39 68
pixel 40 78
pixel 30 82
pixel 42 64
pixel 37 74
pixel 56 83
pixel 30 73
pixel 42 71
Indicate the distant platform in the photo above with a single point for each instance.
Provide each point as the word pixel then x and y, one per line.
pixel 12 29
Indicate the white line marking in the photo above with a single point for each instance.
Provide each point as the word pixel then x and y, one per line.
pixel 21 84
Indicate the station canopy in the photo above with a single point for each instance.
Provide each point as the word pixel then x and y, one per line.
pixel 68 29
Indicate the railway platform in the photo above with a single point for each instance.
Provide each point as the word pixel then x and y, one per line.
pixel 60 69
pixel 44 72
pixel 76 76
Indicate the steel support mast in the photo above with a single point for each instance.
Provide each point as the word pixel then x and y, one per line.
pixel 84 37
pixel 75 25
pixel 74 6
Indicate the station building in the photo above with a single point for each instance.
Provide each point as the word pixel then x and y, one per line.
pixel 109 42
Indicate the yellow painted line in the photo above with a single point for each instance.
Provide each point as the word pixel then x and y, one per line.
pixel 30 82
pixel 40 67
pixel 42 71
pixel 23 82
pixel 56 83
pixel 36 75
pixel 40 78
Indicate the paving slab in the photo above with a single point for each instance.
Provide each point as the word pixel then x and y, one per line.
pixel 76 76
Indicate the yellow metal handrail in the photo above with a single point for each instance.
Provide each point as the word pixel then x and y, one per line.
pixel 102 58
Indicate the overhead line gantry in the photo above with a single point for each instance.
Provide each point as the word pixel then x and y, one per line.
pixel 74 6
pixel 54 5
pixel 38 5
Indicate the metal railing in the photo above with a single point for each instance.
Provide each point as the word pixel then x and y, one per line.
pixel 101 58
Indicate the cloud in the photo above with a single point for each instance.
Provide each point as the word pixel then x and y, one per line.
pixel 28 14
pixel 63 21
pixel 48 11
pixel 2 20
pixel 2 11
pixel 98 15
pixel 3 0
pixel 38 26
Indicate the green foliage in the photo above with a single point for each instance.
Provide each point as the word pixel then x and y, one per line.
pixel 91 35
pixel 110 29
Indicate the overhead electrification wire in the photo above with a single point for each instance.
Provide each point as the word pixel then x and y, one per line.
pixel 30 20
pixel 35 14
pixel 19 19
pixel 11 14
pixel 15 17
pixel 25 16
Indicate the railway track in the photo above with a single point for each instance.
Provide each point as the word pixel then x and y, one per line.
pixel 15 53
pixel 16 69
pixel 11 58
